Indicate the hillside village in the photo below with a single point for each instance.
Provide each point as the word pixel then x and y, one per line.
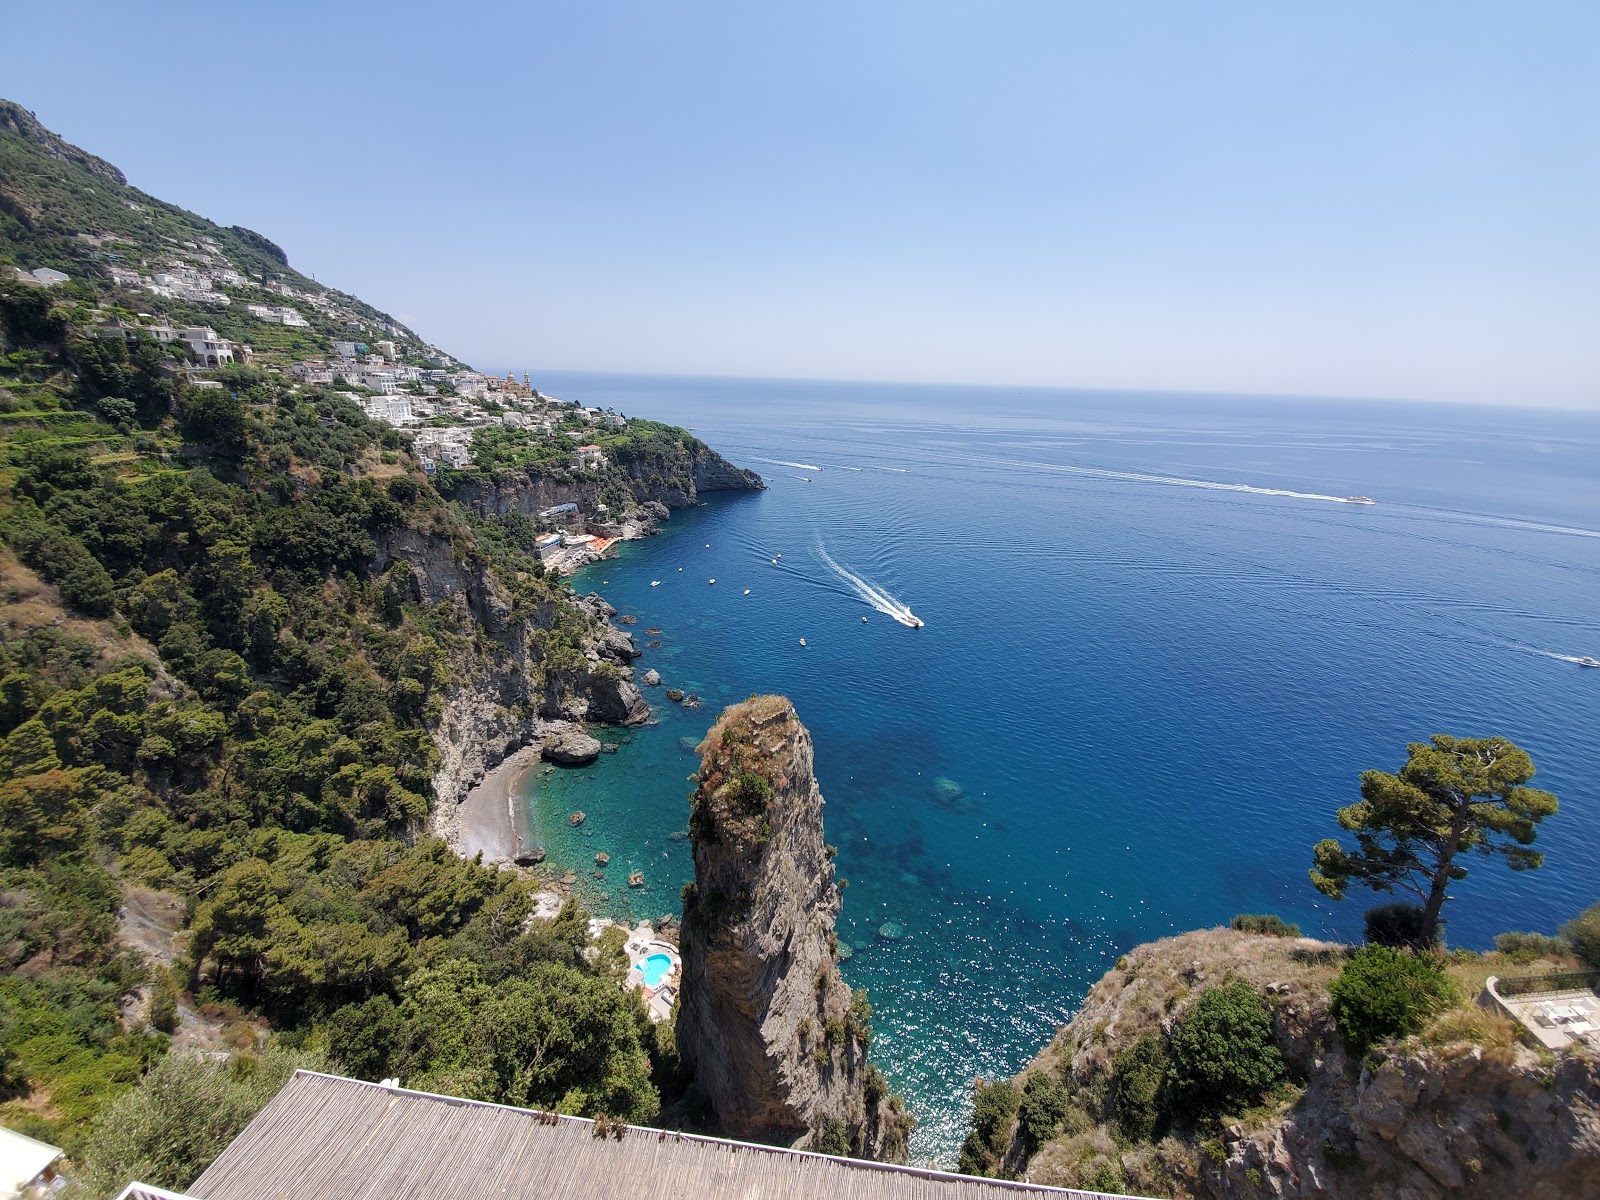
pixel 394 377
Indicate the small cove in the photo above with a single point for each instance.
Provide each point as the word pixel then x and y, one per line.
pixel 1133 638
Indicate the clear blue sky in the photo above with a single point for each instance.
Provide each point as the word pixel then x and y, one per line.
pixel 1391 199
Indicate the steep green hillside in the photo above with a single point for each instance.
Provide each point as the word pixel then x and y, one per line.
pixel 63 208
pixel 235 617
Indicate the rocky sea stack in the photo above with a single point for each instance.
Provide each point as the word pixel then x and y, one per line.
pixel 766 1026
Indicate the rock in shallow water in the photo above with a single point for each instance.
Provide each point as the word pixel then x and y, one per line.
pixel 891 931
pixel 572 748
pixel 652 678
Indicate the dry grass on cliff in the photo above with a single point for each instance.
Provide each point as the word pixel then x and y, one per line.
pixel 1151 985
pixel 744 756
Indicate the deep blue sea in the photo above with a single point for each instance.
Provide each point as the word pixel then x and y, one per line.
pixel 1159 650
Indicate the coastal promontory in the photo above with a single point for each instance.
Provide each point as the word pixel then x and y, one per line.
pixel 766 1026
pixel 1220 1063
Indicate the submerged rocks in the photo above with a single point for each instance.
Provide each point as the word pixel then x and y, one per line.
pixel 891 931
pixel 576 819
pixel 636 879
pixel 572 748
pixel 601 859
pixel 674 694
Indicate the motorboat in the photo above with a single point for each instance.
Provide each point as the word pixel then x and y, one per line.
pixel 655 583
pixel 713 581
pixel 747 591
pixel 1359 500
pixel 1586 661
pixel 802 641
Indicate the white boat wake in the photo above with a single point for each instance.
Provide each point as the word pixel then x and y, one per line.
pixel 1211 485
pixel 781 462
pixel 875 596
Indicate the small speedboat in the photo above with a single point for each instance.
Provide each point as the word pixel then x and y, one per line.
pixel 863 620
pixel 747 591
pixel 1586 661
pixel 774 562
pixel 655 583
pixel 713 581
pixel 1359 500
pixel 802 641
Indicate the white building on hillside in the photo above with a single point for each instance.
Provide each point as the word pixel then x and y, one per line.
pixel 208 347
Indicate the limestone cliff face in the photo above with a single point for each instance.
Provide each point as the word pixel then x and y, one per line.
pixel 507 689
pixel 766 1026
pixel 666 471
pixel 1420 1120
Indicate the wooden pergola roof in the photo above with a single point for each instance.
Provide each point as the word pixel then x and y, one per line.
pixel 327 1138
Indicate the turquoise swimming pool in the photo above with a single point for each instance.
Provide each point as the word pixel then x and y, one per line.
pixel 655 968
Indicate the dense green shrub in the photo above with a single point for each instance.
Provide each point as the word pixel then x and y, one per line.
pixel 1383 993
pixel 1525 948
pixel 1139 1076
pixel 1266 923
pixel 1582 933
pixel 181 1116
pixel 1399 926
pixel 994 1106
pixel 1223 1055
pixel 1041 1110
pixel 833 1137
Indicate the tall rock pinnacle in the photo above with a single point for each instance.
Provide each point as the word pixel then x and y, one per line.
pixel 766 1025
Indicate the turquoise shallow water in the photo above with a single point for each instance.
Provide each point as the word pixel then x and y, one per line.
pixel 1159 649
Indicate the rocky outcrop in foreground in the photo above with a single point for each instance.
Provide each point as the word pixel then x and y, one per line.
pixel 766 1026
pixel 1467 1112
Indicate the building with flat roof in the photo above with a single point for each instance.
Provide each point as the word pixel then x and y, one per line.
pixel 27 1166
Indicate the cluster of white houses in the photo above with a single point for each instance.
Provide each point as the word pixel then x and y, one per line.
pixel 441 402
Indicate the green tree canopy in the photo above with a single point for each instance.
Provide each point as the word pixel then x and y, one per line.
pixel 1452 795
pixel 1224 1058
